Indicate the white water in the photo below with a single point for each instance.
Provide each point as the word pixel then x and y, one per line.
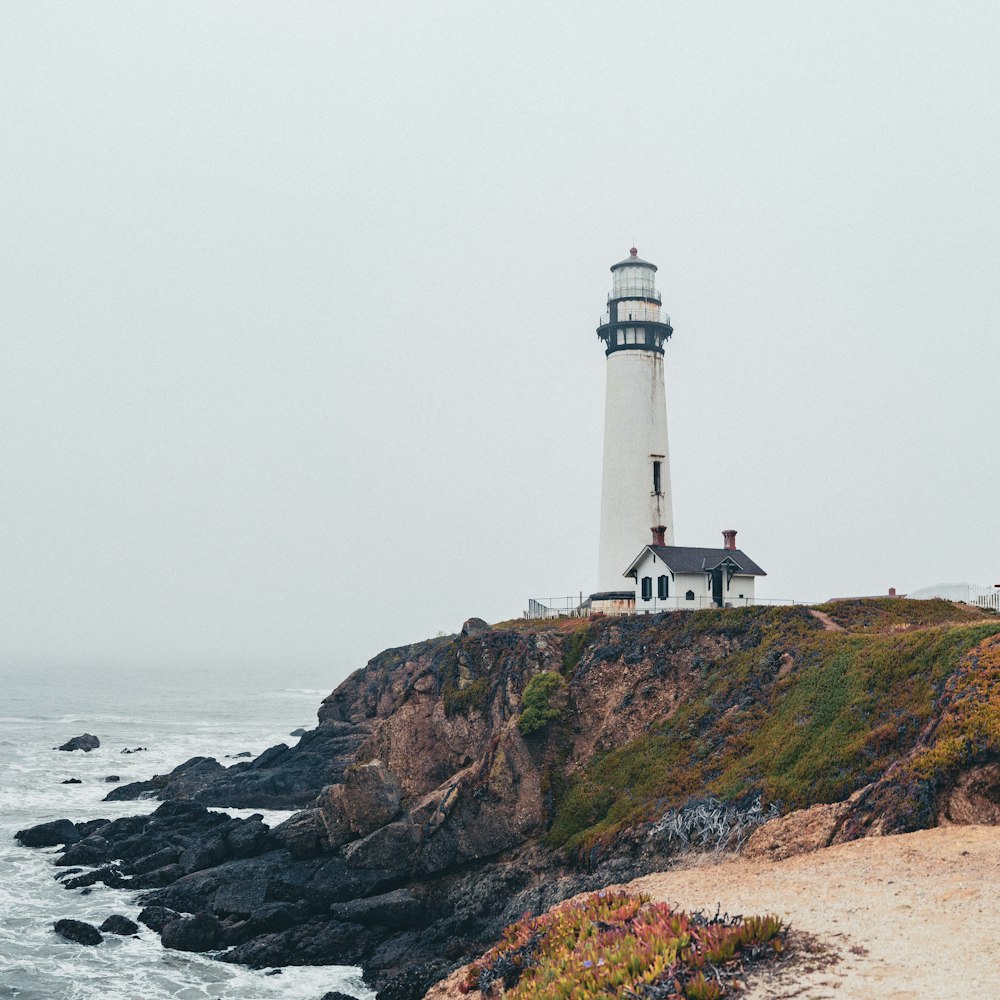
pixel 176 715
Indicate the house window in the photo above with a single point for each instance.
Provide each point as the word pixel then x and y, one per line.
pixel 647 588
pixel 689 596
pixel 661 588
pixel 657 477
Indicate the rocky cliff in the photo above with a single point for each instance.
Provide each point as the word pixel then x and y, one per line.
pixel 453 784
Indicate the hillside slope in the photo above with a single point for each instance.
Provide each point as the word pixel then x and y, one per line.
pixel 454 783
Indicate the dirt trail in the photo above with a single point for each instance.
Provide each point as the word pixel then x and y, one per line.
pixel 828 623
pixel 911 916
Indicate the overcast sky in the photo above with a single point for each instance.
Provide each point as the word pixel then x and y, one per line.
pixel 298 307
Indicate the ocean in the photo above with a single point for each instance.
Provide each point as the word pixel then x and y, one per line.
pixel 176 714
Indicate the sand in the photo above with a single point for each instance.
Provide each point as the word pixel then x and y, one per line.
pixel 898 918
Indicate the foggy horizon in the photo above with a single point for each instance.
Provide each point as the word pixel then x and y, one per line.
pixel 298 310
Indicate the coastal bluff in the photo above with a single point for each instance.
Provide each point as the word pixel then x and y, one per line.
pixel 453 784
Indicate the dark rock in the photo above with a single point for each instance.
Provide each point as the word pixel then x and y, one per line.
pixel 58 831
pixel 413 983
pixel 118 924
pixel 71 781
pixel 158 859
pixel 273 972
pixel 315 942
pixel 84 742
pixel 59 876
pixel 91 826
pixel 112 778
pixel 157 917
pixel 237 756
pixel 336 995
pixel 475 626
pixel 399 908
pixel 158 877
pixel 132 791
pixel 91 850
pixel 204 853
pixel 78 931
pixel 297 732
pixel 134 749
pixel 109 875
pixel 202 932
pixel 303 835
pixel 392 846
pixel 250 838
pixel 280 778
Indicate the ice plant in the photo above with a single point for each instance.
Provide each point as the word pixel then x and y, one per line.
pixel 613 944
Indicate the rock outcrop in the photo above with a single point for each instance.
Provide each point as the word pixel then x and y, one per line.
pixel 78 931
pixel 84 742
pixel 426 818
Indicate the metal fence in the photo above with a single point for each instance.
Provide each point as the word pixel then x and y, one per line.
pixel 577 607
pixel 557 607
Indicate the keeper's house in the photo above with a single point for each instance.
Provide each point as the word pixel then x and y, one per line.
pixel 672 577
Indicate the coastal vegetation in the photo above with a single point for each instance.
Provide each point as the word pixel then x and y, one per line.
pixel 794 712
pixel 612 944
pixel 538 707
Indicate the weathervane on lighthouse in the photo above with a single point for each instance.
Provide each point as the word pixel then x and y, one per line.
pixel 635 492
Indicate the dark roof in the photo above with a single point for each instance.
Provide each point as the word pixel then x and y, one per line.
pixel 633 260
pixel 688 559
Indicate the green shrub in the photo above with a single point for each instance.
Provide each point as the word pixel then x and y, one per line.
pixel 538 711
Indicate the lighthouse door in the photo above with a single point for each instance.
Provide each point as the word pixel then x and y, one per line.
pixel 717 586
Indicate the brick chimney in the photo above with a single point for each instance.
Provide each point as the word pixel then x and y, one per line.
pixel 659 531
pixel 892 591
pixel 729 539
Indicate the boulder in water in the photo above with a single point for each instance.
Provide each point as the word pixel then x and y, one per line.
pixel 58 831
pixel 118 924
pixel 71 781
pixel 202 932
pixel 112 778
pixel 84 742
pixel 157 917
pixel 78 931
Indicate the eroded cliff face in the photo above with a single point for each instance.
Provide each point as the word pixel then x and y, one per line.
pixel 430 815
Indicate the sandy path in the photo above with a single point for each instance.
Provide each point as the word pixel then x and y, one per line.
pixel 921 912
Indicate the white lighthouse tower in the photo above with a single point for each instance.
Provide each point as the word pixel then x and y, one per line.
pixel 635 495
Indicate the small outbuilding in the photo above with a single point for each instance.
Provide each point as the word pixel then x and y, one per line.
pixel 672 577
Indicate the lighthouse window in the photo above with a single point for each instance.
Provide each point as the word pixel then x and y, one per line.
pixel 621 337
pixel 630 335
pixel 662 591
pixel 640 337
pixel 647 588
pixel 657 482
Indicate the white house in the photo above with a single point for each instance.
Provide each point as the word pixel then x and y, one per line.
pixel 672 577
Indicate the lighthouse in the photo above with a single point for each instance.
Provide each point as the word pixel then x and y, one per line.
pixel 635 492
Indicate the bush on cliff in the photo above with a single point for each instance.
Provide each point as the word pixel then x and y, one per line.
pixel 618 944
pixel 538 709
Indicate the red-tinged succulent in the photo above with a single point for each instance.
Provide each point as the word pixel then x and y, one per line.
pixel 613 944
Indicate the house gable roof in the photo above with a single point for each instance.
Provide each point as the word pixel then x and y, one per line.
pixel 692 559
